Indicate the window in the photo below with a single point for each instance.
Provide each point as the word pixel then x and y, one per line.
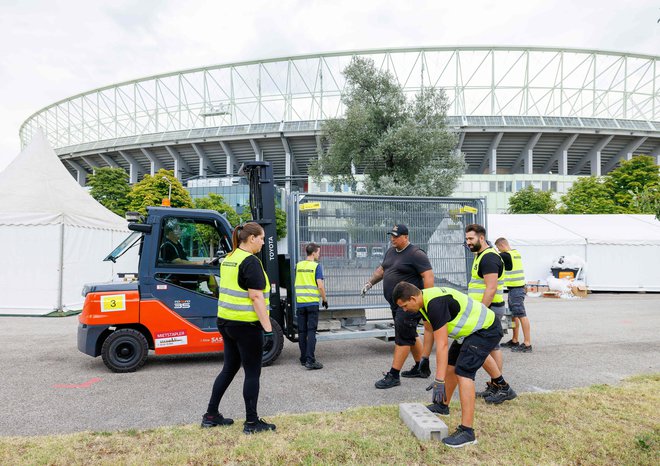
pixel 493 187
pixel 545 185
pixel 188 242
pixel 553 186
pixel 519 185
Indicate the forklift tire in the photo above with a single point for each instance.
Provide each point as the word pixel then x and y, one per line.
pixel 274 353
pixel 125 350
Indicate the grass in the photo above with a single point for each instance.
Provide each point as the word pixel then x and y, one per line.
pixel 597 425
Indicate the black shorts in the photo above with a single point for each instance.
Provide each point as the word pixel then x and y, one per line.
pixel 405 326
pixel 469 356
pixel 516 300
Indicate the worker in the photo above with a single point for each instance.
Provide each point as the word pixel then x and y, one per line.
pixel 309 288
pixel 487 286
pixel 475 330
pixel 404 262
pixel 514 279
pixel 171 249
pixel 244 323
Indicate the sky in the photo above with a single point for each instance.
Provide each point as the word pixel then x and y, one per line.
pixel 54 49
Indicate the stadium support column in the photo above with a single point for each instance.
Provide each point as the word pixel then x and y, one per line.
pixel 656 154
pixel 133 167
pixel 205 164
pixel 229 154
pixel 107 159
pixel 526 157
pixel 180 165
pixel 288 161
pixel 81 177
pixel 560 156
pixel 92 164
pixel 491 156
pixel 154 163
pixel 258 153
pixel 593 157
pixel 627 153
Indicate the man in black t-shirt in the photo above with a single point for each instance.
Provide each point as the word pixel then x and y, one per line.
pixel 404 262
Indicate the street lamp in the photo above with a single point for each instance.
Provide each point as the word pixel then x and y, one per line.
pixel 168 203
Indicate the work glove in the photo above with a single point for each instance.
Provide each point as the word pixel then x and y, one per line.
pixel 324 304
pixel 269 341
pixel 367 287
pixel 439 395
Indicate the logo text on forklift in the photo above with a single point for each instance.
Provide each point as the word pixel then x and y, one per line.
pixel 182 304
pixel 174 338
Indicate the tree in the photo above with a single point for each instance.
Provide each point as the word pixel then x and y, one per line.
pixel 110 187
pixel 280 221
pixel 589 195
pixel 630 180
pixel 403 148
pixel 153 189
pixel 530 201
pixel 216 202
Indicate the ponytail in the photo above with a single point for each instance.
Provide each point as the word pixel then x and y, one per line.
pixel 243 231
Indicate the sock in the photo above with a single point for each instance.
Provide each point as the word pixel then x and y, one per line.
pixel 469 430
pixel 395 372
pixel 498 381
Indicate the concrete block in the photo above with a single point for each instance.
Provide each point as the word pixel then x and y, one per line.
pixel 422 422
pixel 329 324
pixel 330 314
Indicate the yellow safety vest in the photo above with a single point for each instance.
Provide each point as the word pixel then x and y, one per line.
pixel 472 317
pixel 307 290
pixel 477 285
pixel 233 301
pixel 515 276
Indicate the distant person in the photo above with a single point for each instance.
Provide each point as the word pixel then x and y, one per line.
pixel 404 262
pixel 310 288
pixel 171 249
pixel 475 330
pixel 487 287
pixel 514 279
pixel 244 323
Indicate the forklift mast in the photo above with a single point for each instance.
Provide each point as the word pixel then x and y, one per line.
pixel 262 206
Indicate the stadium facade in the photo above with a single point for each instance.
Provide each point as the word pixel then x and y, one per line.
pixel 524 115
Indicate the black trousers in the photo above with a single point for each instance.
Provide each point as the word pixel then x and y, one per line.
pixel 308 322
pixel 243 346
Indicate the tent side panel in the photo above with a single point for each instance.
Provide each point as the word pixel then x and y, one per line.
pixel 623 267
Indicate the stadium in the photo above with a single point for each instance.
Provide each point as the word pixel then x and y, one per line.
pixel 524 116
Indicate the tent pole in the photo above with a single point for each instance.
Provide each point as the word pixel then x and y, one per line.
pixel 60 286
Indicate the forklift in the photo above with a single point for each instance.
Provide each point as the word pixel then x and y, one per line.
pixel 171 306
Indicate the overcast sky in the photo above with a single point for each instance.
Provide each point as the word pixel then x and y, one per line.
pixel 53 49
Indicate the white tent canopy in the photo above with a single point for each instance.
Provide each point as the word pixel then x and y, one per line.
pixel 620 251
pixel 54 234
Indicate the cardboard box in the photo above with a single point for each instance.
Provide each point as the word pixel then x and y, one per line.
pixel 551 294
pixel 580 291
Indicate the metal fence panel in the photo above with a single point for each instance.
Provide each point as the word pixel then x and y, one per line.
pixel 352 232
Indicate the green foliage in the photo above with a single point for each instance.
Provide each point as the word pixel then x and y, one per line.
pixel 280 221
pixel 531 201
pixel 216 202
pixel 153 189
pixel 635 185
pixel 110 187
pixel 589 195
pixel 403 148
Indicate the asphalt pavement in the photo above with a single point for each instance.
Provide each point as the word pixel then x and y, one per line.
pixel 49 387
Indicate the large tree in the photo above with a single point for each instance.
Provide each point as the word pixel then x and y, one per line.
pixel 634 180
pixel 110 187
pixel 589 195
pixel 151 191
pixel 530 201
pixel 216 202
pixel 403 147
pixel 280 221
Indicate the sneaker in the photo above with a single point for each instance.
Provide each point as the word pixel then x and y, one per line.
pixel 388 381
pixel 501 395
pixel 441 409
pixel 424 368
pixel 413 372
pixel 303 362
pixel 490 389
pixel 314 365
pixel 255 427
pixel 460 438
pixel 523 348
pixel 213 420
pixel 510 344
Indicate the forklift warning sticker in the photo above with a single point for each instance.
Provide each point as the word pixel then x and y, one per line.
pixel 113 302
pixel 174 338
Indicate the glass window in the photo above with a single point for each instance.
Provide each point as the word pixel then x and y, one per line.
pixel 553 186
pixel 536 184
pixel 493 187
pixel 545 186
pixel 519 185
pixel 188 242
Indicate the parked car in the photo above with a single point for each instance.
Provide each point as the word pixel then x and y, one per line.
pixel 377 251
pixel 361 252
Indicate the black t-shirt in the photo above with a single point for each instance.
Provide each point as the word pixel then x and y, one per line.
pixel 508 262
pixel 170 250
pixel 442 310
pixel 491 263
pixel 407 265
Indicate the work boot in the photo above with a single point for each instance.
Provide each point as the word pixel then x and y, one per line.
pixel 490 389
pixel 460 438
pixel 523 348
pixel 258 426
pixel 424 368
pixel 510 344
pixel 303 362
pixel 213 420
pixel 501 395
pixel 388 381
pixel 314 365
pixel 441 409
pixel 413 372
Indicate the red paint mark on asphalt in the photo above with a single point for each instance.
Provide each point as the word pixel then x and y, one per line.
pixel 87 384
pixel 626 321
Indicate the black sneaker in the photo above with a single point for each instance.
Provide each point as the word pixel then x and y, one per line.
pixel 460 438
pixel 413 372
pixel 441 409
pixel 501 395
pixel 213 420
pixel 510 344
pixel 523 348
pixel 303 362
pixel 255 427
pixel 388 381
pixel 424 368
pixel 490 389
pixel 314 365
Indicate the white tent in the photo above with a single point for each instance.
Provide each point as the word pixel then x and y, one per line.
pixel 54 234
pixel 621 251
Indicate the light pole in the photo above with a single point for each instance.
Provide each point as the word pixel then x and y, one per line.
pixel 169 194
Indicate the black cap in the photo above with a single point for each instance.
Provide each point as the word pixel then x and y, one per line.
pixel 398 230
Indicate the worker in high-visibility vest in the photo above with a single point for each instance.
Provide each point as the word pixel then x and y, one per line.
pixel 475 330
pixel 487 286
pixel 310 289
pixel 514 279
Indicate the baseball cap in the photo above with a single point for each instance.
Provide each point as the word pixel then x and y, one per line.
pixel 398 230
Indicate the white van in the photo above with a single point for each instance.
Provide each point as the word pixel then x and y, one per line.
pixel 361 252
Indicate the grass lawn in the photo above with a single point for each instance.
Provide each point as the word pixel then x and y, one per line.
pixel 601 424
